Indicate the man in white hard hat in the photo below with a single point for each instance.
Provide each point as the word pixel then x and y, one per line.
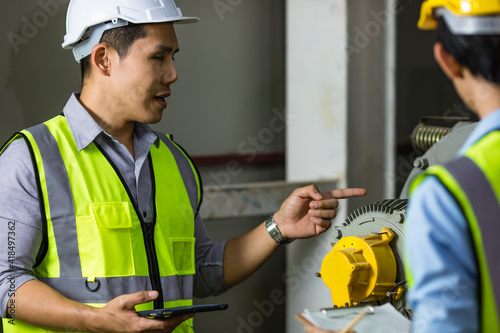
pixel 100 213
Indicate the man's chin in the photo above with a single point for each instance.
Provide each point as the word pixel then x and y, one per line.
pixel 153 117
pixel 153 121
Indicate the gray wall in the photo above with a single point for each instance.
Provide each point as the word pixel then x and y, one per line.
pixel 36 75
pixel 370 111
pixel 231 75
pixel 231 71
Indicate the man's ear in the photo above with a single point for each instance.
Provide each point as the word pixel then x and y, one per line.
pixel 447 62
pixel 100 59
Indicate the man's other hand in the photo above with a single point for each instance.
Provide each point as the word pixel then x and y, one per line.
pixel 120 315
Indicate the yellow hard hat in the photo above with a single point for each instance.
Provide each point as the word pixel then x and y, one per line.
pixel 459 9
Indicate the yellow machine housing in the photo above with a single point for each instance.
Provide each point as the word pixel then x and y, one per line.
pixel 366 264
pixel 360 268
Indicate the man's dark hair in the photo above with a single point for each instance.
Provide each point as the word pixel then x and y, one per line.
pixel 479 53
pixel 121 39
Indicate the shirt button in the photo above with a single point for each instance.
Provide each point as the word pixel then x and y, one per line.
pixel 144 214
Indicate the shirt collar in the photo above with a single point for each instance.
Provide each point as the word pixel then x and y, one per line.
pixel 488 124
pixel 85 129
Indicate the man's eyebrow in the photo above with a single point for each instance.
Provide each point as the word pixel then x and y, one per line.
pixel 167 49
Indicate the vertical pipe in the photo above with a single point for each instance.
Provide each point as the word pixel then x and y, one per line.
pixel 316 99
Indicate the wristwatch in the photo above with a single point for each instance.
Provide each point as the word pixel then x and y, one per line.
pixel 274 232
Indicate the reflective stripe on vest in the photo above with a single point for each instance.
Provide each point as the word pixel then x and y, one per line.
pixel 59 201
pixel 486 210
pixel 98 244
pixel 188 172
pixel 474 181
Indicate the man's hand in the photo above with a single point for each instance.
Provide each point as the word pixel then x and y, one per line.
pixel 41 306
pixel 119 315
pixel 307 211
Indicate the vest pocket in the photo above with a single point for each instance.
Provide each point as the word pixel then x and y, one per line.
pixel 104 240
pixel 183 254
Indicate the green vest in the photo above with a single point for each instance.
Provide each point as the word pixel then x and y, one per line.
pixel 474 182
pixel 96 245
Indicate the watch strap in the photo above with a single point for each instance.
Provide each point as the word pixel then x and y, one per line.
pixel 274 232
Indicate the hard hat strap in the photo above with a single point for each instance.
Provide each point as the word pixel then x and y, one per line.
pixel 93 36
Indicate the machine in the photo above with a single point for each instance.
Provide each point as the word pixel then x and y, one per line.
pixel 366 263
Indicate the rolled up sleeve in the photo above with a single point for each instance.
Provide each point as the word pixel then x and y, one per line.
pixel 209 278
pixel 20 221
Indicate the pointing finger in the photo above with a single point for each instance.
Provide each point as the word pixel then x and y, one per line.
pixel 347 193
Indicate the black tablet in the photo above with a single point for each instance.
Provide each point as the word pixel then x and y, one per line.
pixel 166 313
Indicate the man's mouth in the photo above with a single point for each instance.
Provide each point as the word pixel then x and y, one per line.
pixel 161 100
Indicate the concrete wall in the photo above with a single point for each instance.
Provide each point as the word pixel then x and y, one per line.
pixel 316 131
pixel 231 71
pixel 36 75
pixel 372 89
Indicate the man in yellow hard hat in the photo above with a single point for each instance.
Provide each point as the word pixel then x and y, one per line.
pixel 99 215
pixel 454 210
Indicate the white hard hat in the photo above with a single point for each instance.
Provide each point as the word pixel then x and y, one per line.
pixel 88 19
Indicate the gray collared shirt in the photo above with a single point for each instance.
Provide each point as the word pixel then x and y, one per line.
pixel 20 217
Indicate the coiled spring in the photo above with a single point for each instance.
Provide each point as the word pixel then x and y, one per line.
pixel 424 136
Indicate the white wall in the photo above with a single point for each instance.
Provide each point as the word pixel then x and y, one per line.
pixel 316 131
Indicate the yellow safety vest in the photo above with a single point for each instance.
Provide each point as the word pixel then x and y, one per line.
pixel 96 244
pixel 474 181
